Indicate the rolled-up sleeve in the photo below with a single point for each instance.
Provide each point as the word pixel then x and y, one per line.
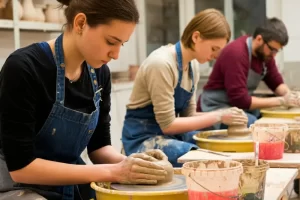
pixel 101 136
pixel 160 84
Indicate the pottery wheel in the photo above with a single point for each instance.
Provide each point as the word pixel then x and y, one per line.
pixel 284 109
pixel 226 137
pixel 178 183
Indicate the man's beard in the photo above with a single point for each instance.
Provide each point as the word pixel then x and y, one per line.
pixel 261 55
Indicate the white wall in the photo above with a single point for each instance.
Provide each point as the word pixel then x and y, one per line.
pixel 288 11
pixel 291 16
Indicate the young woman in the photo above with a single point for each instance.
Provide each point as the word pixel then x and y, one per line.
pixel 55 102
pixel 161 113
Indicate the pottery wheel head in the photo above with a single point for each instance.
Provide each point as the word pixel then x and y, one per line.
pixel 178 183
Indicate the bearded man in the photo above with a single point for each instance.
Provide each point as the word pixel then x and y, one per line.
pixel 240 67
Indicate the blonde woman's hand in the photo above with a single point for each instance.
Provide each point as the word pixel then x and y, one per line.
pixel 232 116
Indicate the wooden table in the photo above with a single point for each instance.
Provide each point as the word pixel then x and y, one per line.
pixel 276 120
pixel 277 182
pixel 279 176
pixel 289 160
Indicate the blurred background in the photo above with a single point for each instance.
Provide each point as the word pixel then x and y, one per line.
pixel 23 22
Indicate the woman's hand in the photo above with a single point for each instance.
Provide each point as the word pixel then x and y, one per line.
pixel 139 168
pixel 152 155
pixel 232 116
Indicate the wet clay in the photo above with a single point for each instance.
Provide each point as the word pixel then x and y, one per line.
pixel 169 169
pixel 178 183
pixel 159 158
pixel 238 130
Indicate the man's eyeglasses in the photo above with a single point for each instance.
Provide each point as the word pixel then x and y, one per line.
pixel 273 50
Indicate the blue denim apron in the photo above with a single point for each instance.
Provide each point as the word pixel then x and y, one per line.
pixel 216 99
pixel 142 132
pixel 64 135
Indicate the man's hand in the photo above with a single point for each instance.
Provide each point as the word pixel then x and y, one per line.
pixel 291 99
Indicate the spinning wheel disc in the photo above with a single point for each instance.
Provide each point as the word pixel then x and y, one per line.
pixel 178 183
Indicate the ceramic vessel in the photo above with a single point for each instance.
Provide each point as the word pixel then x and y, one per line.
pixel 40 16
pixel 29 11
pixel 7 13
pixel 62 17
pixel 52 14
pixel 3 3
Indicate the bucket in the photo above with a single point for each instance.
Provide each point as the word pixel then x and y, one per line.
pixel 271 138
pixel 292 140
pixel 212 179
pixel 253 179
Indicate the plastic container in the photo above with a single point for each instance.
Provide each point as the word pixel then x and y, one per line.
pixel 271 138
pixel 213 179
pixel 292 140
pixel 253 179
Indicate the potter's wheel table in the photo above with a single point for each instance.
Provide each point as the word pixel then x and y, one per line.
pixel 281 112
pixel 218 140
pixel 175 190
pixel 178 183
pixel 289 160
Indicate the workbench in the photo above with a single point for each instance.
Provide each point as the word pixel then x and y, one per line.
pixel 279 176
pixel 277 182
pixel 289 160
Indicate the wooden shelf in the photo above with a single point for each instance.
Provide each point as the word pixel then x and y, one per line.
pixel 6 24
pixel 31 26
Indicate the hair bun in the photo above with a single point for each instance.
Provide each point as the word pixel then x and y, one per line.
pixel 64 2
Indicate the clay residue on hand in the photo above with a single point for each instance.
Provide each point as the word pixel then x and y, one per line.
pixel 159 142
pixel 169 169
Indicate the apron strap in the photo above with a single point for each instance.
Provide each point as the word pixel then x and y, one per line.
pixel 179 60
pixel 60 65
pixel 60 80
pixel 97 89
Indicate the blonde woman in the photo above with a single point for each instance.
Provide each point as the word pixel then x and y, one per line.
pixel 162 113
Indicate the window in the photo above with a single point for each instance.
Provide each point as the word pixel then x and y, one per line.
pixel 242 15
pixel 162 23
pixel 247 15
pixel 204 4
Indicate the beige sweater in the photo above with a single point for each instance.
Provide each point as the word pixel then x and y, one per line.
pixel 155 82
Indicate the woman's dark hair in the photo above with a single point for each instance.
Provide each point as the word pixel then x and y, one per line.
pixel 101 11
pixel 273 29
